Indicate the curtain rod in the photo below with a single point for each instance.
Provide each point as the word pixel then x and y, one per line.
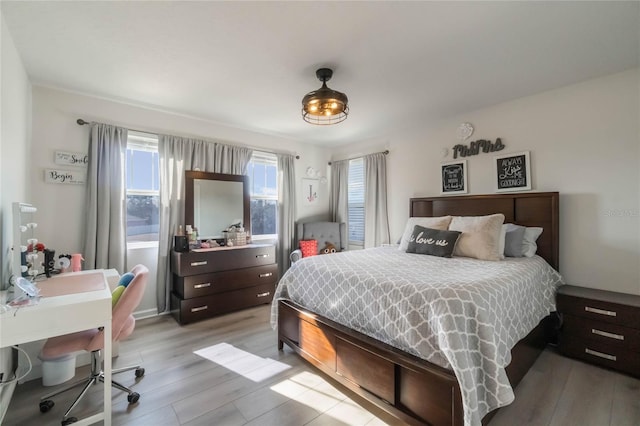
pixel 82 122
pixel 385 152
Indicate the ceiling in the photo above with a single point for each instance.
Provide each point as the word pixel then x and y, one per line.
pixel 248 64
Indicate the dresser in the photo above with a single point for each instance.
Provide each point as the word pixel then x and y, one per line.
pixel 601 327
pixel 209 282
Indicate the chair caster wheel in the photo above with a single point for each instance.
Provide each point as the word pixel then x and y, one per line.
pixel 46 405
pixel 139 372
pixel 133 397
pixel 69 420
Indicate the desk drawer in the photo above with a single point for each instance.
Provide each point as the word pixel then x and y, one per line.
pixel 218 282
pixel 599 310
pixel 199 308
pixel 606 333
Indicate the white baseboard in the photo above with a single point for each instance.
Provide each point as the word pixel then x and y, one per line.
pixel 147 313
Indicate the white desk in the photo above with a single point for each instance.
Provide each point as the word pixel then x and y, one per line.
pixel 54 316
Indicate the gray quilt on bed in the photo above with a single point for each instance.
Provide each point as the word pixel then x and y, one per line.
pixel 459 313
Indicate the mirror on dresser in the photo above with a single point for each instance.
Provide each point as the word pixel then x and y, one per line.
pixel 215 201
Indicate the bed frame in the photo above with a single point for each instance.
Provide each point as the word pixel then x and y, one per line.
pixel 412 389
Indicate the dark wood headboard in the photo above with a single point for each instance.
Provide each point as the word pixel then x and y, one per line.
pixel 526 209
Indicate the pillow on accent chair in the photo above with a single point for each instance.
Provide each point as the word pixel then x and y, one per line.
pixel 125 279
pixel 309 247
pixel 434 242
pixel 480 237
pixel 115 295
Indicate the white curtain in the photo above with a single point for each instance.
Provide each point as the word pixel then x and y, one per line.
pixel 338 203
pixel 105 244
pixel 232 159
pixel 177 155
pixel 286 210
pixel 376 219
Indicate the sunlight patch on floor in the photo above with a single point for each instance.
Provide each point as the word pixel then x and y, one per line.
pixel 245 363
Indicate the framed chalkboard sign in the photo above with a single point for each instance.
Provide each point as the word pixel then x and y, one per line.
pixel 513 172
pixel 454 177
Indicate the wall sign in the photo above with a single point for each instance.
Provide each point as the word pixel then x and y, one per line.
pixel 454 177
pixel 310 191
pixel 475 147
pixel 76 177
pixel 513 172
pixel 67 158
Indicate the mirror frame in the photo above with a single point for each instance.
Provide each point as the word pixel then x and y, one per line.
pixel 191 175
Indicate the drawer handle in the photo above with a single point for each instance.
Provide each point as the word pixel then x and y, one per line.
pixel 200 263
pixel 268 274
pixel 203 285
pixel 265 294
pixel 600 311
pixel 600 354
pixel 200 308
pixel 607 334
pixel 259 256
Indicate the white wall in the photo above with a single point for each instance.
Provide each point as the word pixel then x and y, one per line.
pixel 54 128
pixel 584 141
pixel 15 134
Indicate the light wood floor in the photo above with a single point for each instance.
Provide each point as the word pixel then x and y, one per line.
pixel 259 385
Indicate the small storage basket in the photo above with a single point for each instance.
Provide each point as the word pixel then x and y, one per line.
pixel 233 238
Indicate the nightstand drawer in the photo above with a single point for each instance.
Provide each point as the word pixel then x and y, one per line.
pixel 601 353
pixel 598 310
pixel 598 331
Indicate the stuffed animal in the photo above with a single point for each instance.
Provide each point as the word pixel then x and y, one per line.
pixel 328 248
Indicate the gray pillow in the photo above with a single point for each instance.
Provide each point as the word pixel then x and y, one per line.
pixel 513 240
pixel 434 242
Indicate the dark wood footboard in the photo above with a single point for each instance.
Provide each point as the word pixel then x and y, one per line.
pixel 415 391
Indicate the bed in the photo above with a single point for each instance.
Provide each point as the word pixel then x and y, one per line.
pixel 423 383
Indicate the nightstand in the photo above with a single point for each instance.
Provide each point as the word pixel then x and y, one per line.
pixel 600 327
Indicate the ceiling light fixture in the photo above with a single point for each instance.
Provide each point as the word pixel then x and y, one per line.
pixel 325 106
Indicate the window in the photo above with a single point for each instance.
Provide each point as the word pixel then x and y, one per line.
pixel 263 189
pixel 355 198
pixel 143 184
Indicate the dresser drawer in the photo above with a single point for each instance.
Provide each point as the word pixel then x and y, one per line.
pixel 194 263
pixel 601 353
pixel 218 282
pixel 599 310
pixel 199 308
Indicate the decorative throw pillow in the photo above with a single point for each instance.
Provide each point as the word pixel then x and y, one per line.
pixel 529 246
pixel 440 222
pixel 480 237
pixel 309 247
pixel 115 296
pixel 513 239
pixel 434 242
pixel 125 279
pixel 503 235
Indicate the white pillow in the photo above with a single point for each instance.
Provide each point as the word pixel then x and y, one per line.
pixel 529 246
pixel 503 237
pixel 480 237
pixel 440 222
